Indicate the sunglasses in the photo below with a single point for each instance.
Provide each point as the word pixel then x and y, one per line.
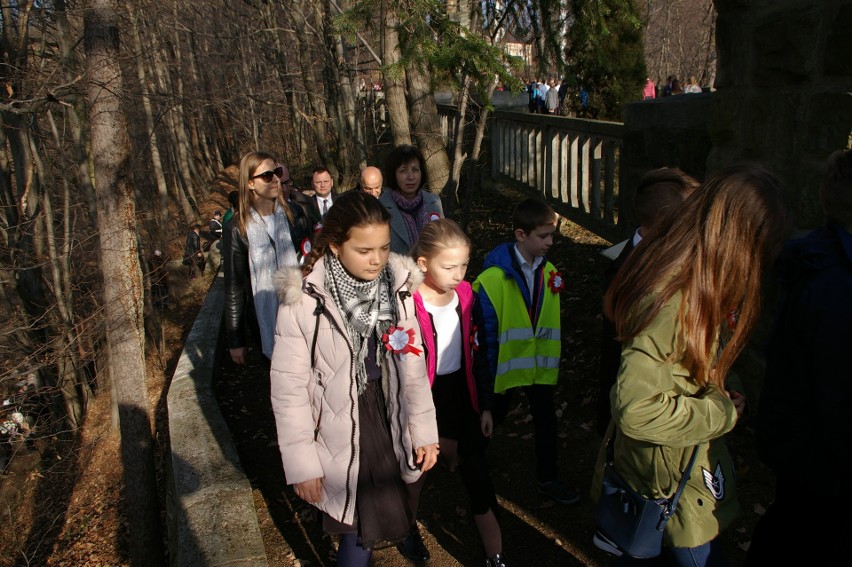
pixel 266 176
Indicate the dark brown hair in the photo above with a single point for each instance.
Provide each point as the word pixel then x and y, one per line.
pixel 532 213
pixel 351 209
pixel 402 155
pixel 661 191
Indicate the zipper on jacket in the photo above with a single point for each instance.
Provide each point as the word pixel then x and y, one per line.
pixel 334 324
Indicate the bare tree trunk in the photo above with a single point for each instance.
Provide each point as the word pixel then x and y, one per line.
pixel 318 118
pixel 122 279
pixel 473 181
pixel 353 147
pixel 426 125
pixel 69 368
pixel 81 154
pixel 189 213
pixel 156 161
pixel 394 79
pixel 459 156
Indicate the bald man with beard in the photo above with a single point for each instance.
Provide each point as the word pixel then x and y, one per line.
pixel 371 181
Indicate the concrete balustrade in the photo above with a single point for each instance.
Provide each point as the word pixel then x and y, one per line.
pixel 570 161
pixel 210 510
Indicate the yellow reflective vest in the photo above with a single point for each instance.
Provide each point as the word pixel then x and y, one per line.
pixel 521 327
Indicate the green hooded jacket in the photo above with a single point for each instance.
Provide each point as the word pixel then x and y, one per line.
pixel 661 415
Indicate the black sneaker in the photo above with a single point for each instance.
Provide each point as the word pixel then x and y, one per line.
pixel 557 490
pixel 413 548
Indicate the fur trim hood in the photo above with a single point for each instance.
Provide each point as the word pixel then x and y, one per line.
pixel 290 284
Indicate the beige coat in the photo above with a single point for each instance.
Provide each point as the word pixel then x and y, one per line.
pixel 315 406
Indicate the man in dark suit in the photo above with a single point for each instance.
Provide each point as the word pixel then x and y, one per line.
pixel 318 205
pixel 660 193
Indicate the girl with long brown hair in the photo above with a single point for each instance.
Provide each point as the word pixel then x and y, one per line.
pixel 684 305
pixel 351 399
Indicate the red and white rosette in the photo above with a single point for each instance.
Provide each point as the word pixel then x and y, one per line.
pixel 305 246
pixel 731 319
pixel 556 282
pixel 434 217
pixel 399 340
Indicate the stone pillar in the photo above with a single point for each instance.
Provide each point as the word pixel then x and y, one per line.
pixel 784 91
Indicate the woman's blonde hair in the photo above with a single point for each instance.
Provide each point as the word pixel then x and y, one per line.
pixel 248 163
pixel 713 251
pixel 436 236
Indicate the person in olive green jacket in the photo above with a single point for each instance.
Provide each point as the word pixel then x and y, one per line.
pixel 685 303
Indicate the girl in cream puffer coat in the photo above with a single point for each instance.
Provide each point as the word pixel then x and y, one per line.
pixel 322 373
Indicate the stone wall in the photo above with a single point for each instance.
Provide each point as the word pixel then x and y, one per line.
pixel 664 132
pixel 784 91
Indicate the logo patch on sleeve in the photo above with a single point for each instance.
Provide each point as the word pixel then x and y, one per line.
pixel 715 481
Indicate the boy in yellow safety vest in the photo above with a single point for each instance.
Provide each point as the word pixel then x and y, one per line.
pixel 519 335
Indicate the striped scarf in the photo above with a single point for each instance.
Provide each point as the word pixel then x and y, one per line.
pixel 414 214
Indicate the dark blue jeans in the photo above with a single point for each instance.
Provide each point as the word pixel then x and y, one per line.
pixel 544 421
pixel 708 555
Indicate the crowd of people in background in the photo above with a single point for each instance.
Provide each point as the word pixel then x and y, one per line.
pixel 367 316
pixel 671 87
pixel 547 96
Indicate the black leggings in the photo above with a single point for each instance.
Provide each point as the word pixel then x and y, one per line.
pixel 457 420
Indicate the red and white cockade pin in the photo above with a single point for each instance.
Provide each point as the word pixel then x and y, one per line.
pixel 400 341
pixel 434 217
pixel 731 318
pixel 555 282
pixel 305 246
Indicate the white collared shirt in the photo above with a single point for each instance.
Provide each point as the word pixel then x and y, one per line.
pixel 527 269
pixel 637 238
pixel 321 199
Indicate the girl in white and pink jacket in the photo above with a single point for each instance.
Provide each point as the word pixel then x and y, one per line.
pixel 445 307
pixel 351 399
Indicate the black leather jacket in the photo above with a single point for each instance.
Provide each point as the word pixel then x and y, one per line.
pixel 239 306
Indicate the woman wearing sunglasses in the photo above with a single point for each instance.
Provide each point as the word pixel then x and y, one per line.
pixel 262 237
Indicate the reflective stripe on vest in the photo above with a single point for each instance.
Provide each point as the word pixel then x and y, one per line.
pixel 527 363
pixel 524 334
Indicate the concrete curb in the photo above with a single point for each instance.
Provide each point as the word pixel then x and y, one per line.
pixel 209 505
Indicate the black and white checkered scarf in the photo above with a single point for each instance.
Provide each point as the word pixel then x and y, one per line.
pixel 366 307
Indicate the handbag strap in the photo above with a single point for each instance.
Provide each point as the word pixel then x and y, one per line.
pixel 672 502
pixel 680 486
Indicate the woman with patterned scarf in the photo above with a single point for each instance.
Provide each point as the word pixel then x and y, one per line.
pixel 410 205
pixel 352 403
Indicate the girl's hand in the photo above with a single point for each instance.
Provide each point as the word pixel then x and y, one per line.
pixel 427 456
pixel 238 355
pixel 486 423
pixel 309 490
pixel 739 400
